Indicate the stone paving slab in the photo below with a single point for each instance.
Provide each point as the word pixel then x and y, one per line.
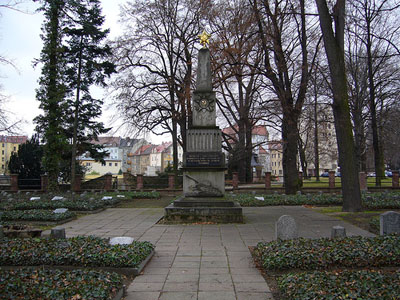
pixel 202 261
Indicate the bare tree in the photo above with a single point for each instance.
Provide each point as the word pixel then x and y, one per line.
pixel 155 58
pixel 334 48
pixel 284 31
pixel 236 58
pixel 374 25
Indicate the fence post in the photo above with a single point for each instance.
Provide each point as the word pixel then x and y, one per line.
pixel 301 178
pixel 171 181
pixel 108 182
pixel 139 181
pixel 258 173
pixel 44 182
pixel 395 179
pixel 77 184
pixel 235 180
pixel 14 182
pixel 331 179
pixel 267 180
pixel 363 181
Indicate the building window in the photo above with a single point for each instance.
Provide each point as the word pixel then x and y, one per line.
pixel 116 164
pixel 103 164
pixel 88 164
pixel 2 159
pixel 15 148
pixel 110 164
pixel 2 166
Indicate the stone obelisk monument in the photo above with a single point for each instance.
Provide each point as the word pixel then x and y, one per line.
pixel 203 162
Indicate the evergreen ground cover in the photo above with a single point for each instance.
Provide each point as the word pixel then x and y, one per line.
pixel 32 284
pixel 341 284
pixel 386 200
pixel 343 268
pixel 77 251
pixel 34 215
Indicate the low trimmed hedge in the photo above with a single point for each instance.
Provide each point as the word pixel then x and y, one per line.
pixel 316 254
pixel 82 205
pixel 28 283
pixel 34 215
pixel 386 200
pixel 281 199
pixel 78 204
pixel 332 285
pixel 77 251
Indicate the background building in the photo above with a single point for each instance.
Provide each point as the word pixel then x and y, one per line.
pixel 9 144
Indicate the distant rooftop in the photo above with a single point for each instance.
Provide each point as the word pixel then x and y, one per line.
pixel 15 139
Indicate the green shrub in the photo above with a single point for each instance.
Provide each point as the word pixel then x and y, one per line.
pixel 28 283
pixel 281 199
pixel 78 251
pixel 34 215
pixel 364 284
pixel 374 224
pixel 383 200
pixel 314 254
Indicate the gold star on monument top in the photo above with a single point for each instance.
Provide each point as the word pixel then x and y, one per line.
pixel 204 38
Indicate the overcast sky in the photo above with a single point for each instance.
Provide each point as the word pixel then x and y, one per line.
pixel 20 43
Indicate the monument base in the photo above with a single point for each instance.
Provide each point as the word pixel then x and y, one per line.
pixel 203 209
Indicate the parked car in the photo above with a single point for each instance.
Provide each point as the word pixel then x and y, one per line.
pixel 337 174
pixel 388 173
pixel 371 174
pixel 325 174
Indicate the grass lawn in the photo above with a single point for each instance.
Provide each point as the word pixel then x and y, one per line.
pixel 359 219
pixel 324 182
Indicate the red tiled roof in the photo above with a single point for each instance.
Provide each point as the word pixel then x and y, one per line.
pixel 107 140
pixel 162 147
pixel 142 150
pixel 15 139
pixel 257 130
pixel 275 145
pixel 260 130
pixel 262 150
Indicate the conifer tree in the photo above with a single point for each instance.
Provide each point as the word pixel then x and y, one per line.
pixel 52 90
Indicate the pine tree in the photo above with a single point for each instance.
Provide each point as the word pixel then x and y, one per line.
pixel 73 60
pixel 87 65
pixel 27 161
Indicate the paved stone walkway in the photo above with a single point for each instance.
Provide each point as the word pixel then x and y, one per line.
pixel 202 261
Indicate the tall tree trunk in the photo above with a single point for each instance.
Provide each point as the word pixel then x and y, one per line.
pixel 76 115
pixel 290 140
pixel 241 151
pixel 302 156
pixel 249 152
pixel 316 137
pixel 378 150
pixel 334 47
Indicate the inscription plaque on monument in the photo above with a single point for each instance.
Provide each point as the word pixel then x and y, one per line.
pixel 204 159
